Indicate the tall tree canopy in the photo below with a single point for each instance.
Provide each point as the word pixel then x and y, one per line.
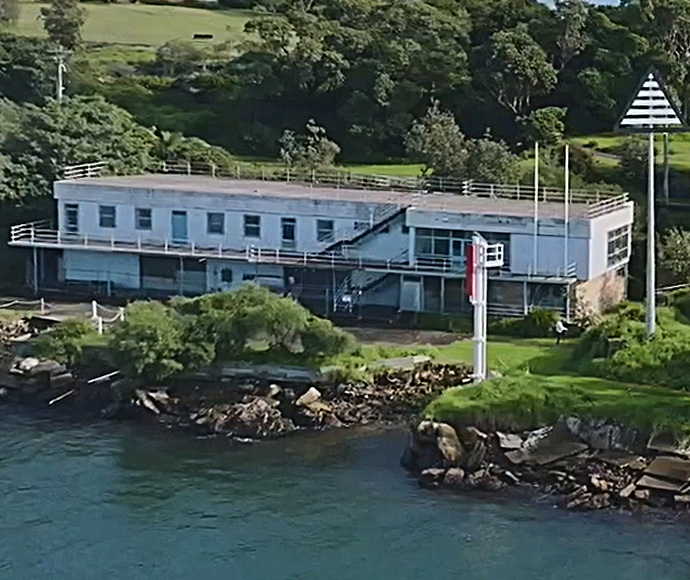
pixel 76 130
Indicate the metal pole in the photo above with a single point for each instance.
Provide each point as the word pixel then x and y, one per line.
pixel 35 280
pixel 651 299
pixel 666 152
pixel 566 210
pixel 535 253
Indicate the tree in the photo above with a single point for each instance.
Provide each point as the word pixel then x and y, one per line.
pixel 491 162
pixel 179 57
pixel 572 36
pixel 27 69
pixel 437 141
pixel 634 159
pixel 63 21
pixel 546 125
pixel 516 69
pixel 75 130
pixel 154 343
pixel 149 342
pixel 668 27
pixel 675 255
pixel 311 151
pixel 9 11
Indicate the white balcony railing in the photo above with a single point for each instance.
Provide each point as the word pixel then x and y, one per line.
pixel 39 234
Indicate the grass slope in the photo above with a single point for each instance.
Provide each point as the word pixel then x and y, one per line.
pixel 529 401
pixel 139 24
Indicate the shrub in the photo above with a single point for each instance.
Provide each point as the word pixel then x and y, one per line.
pixel 322 338
pixel 65 342
pixel 536 324
pixel 680 299
pixel 662 361
pixel 154 342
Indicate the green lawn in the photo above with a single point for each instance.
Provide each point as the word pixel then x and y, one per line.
pixel 538 355
pixel 139 24
pixel 679 156
pixel 530 401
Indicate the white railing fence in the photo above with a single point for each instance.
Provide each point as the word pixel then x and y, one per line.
pixel 100 315
pixel 598 201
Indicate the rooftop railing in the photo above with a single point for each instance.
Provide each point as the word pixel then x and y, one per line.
pixel 597 201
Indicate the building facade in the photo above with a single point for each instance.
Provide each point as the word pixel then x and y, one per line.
pixel 335 248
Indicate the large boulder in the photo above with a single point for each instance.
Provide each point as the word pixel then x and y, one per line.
pixel 254 418
pixel 433 445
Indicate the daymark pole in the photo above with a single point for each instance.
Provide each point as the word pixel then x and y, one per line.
pixel 651 246
pixel 535 251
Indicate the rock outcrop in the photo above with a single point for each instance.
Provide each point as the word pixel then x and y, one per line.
pixel 583 464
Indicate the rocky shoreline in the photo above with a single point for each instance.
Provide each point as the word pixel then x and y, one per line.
pixel 241 408
pixel 581 464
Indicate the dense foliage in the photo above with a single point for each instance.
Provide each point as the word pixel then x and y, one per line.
pixel 65 342
pixel 536 324
pixel 156 341
pixel 367 70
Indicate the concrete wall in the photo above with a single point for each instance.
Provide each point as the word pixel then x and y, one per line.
pixel 259 273
pixel 197 205
pixel 586 238
pixel 119 269
pixel 600 293
pixel 598 241
pixel 385 245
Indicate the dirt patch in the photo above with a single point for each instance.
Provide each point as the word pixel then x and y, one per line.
pixel 400 336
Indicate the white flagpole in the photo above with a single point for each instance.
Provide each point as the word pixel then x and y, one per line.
pixel 566 209
pixel 535 253
pixel 651 277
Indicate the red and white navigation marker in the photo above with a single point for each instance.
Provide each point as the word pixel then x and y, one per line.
pixel 480 256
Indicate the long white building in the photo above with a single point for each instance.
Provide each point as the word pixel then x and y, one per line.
pixel 334 247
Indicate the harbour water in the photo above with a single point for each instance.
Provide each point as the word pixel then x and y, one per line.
pixel 122 501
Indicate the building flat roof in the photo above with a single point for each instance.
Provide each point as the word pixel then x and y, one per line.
pixel 451 202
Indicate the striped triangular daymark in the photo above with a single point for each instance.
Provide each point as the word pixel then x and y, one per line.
pixel 652 109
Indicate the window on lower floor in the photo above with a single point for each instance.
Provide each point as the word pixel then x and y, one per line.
pixel 252 226
pixel 106 216
pixel 618 246
pixel 226 275
pixel 143 219
pixel 324 230
pixel 215 223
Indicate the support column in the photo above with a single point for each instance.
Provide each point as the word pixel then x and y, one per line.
pixel 35 265
pixel 525 306
pixel 181 276
pixel 411 245
pixel 442 309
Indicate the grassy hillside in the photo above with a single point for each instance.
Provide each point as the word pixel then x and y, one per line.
pixel 137 24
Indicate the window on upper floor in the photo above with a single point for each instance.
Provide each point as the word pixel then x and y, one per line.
pixel 289 229
pixel 143 219
pixel 215 223
pixel 106 216
pixel 252 226
pixel 71 218
pixel 618 246
pixel 433 243
pixel 325 230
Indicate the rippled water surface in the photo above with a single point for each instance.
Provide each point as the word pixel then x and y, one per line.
pixel 126 502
